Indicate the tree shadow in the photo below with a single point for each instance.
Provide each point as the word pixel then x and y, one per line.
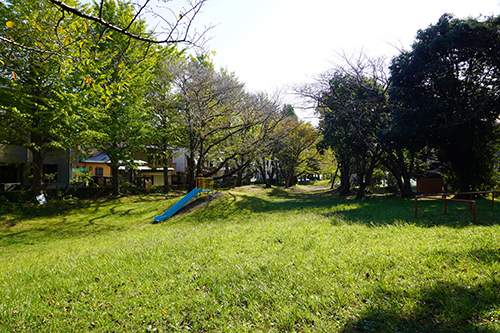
pixel 429 213
pixel 21 212
pixel 56 220
pixel 375 211
pixel 440 307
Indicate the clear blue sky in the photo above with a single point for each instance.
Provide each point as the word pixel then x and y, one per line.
pixel 272 43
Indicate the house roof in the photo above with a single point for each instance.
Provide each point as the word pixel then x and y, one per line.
pixel 145 168
pixel 99 158
pixel 103 158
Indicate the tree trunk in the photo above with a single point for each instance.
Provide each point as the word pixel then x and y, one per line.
pixel 270 174
pixel 191 178
pixel 345 175
pixel 37 169
pixel 115 179
pixel 166 181
pixel 240 178
pixel 263 174
pixel 404 182
pixel 400 169
pixel 288 176
pixel 287 181
pixel 366 177
pixel 227 178
pixel 407 191
pixel 334 177
pixel 462 184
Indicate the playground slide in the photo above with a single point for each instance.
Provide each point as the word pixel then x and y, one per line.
pixel 181 203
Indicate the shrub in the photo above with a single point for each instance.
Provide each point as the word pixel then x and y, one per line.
pixel 89 192
pixel 17 196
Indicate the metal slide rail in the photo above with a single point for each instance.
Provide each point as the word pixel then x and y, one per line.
pixel 181 203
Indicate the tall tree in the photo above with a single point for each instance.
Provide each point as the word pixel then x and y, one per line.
pixel 349 117
pixel 272 131
pixel 216 113
pixel 263 119
pixel 210 105
pixel 37 101
pixel 358 121
pixel 166 118
pixel 289 151
pixel 447 93
pixel 114 88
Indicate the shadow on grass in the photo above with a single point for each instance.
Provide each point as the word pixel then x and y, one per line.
pixel 54 231
pixel 55 220
pixel 441 307
pixel 429 213
pixel 372 211
pixel 20 212
pixel 29 224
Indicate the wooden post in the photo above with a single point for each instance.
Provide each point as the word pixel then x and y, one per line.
pixel 474 218
pixel 416 199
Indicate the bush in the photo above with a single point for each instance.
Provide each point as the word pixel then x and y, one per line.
pixel 20 196
pixel 90 192
pixel 126 188
pixel 5 205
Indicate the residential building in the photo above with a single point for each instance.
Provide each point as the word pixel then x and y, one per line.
pixel 15 163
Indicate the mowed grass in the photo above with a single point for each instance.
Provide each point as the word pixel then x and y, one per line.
pixel 254 260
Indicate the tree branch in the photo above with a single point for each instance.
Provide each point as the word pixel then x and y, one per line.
pixel 187 18
pixel 6 40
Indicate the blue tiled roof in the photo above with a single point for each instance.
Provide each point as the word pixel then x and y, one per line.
pixel 99 158
pixel 103 158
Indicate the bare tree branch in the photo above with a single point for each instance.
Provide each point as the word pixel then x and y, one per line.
pixel 178 31
pixel 136 15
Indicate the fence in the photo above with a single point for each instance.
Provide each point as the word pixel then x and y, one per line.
pixel 472 203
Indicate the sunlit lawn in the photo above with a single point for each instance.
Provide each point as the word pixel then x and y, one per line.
pixel 253 260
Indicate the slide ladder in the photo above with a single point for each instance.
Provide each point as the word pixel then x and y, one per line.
pixel 181 203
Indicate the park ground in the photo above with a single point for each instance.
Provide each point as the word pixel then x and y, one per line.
pixel 251 260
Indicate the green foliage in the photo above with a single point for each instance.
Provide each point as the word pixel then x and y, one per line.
pixel 166 123
pixel 293 151
pixel 221 122
pixel 38 105
pixel 114 86
pixel 288 111
pixel 209 104
pixel 17 196
pixel 82 177
pixel 353 112
pixel 446 90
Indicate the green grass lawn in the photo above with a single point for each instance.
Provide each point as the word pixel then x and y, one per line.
pixel 254 260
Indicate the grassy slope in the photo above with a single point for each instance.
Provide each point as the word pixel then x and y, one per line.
pixel 253 260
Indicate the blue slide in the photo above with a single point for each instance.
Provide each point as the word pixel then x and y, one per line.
pixel 181 203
